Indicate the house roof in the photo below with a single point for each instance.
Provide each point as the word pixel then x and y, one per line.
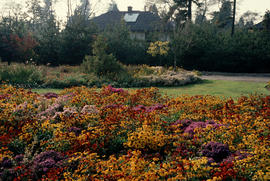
pixel 135 20
pixel 259 26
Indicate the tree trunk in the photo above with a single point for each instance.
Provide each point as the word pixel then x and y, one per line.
pixel 189 10
pixel 233 20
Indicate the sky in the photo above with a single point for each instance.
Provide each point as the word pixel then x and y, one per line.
pixel 101 6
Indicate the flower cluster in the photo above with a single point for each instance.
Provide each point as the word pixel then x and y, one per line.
pixel 216 151
pixel 113 134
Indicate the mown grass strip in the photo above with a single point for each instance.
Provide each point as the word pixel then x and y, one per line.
pixel 219 88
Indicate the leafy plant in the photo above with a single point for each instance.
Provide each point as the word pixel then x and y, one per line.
pixel 101 63
pixel 21 75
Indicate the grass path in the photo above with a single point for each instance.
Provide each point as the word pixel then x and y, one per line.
pixel 221 88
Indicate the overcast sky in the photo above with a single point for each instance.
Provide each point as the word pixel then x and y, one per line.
pixel 100 6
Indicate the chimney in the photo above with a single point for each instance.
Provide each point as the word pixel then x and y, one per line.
pixel 129 9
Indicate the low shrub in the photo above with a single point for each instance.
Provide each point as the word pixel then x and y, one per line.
pixel 66 80
pixel 23 75
pixel 30 76
pixel 161 76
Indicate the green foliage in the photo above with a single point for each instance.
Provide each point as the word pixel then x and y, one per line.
pixel 21 75
pixel 16 44
pixel 67 81
pixel 17 146
pixel 207 48
pixel 37 37
pixel 125 49
pixel 101 63
pixel 266 21
pixel 76 40
pixel 223 18
pixel 49 43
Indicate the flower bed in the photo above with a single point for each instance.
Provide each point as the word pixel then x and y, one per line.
pixel 113 134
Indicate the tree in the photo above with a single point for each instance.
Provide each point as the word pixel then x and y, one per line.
pixel 202 10
pixel 16 42
pixel 102 63
pixel 159 49
pixel 113 6
pixel 153 9
pixel 247 19
pixel 49 42
pixel 178 10
pixel 77 37
pixel 85 9
pixel 223 18
pixel 266 21
pixel 183 40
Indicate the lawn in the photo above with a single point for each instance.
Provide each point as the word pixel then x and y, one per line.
pixel 224 88
pixel 221 88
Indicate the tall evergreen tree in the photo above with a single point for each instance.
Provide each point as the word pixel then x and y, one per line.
pixel 77 36
pixel 266 21
pixel 223 18
pixel 113 6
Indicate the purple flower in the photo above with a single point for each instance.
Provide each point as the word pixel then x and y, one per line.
pixel 190 129
pixel 50 95
pixel 188 126
pixel 6 163
pixel 139 108
pixel 114 90
pixel 155 107
pixel 46 160
pixel 76 130
pixel 51 110
pixel 158 106
pixel 4 96
pixel 89 109
pixel 19 158
pixel 213 124
pixel 216 151
pixel 185 123
pixel 148 108
pixel 112 106
pixel 236 156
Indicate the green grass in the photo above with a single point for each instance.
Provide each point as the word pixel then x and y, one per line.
pixel 220 88
pixel 42 91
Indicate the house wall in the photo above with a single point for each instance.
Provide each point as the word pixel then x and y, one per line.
pixel 137 35
pixel 142 36
pixel 164 37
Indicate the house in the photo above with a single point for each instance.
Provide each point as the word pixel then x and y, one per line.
pixel 140 23
pixel 260 26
